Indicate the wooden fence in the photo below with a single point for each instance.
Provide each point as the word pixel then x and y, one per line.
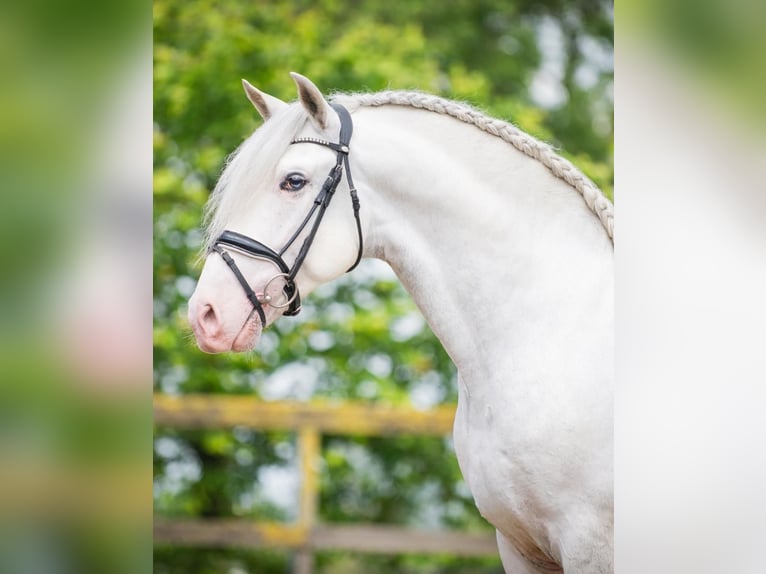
pixel 309 421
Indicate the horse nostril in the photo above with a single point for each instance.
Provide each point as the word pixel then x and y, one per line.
pixel 208 320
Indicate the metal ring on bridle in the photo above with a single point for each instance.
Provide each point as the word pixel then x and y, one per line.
pixel 267 298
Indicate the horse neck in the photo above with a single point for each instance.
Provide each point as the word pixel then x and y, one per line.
pixel 496 251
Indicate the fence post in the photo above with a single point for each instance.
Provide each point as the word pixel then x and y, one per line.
pixel 310 453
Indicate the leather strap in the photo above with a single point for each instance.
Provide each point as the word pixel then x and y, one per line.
pixel 346 131
pixel 242 281
pixel 252 248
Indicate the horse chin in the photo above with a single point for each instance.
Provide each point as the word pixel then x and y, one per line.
pixel 248 337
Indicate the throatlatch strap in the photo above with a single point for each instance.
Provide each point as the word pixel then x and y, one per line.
pixel 346 131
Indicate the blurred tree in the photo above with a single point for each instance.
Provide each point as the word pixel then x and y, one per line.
pixel 545 66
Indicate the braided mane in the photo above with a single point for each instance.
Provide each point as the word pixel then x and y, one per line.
pixel 558 166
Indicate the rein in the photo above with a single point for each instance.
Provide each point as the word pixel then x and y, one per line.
pixel 253 248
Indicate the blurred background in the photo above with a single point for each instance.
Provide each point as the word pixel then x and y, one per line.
pixel 690 247
pixel 545 66
pixel 75 276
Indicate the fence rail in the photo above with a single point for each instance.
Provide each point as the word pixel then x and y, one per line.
pixel 309 421
pixel 372 538
pixel 212 411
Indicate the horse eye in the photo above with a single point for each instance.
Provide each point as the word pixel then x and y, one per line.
pixel 293 182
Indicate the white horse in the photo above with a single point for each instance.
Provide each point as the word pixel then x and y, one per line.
pixel 506 249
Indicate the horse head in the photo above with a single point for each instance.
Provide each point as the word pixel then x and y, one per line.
pixel 265 246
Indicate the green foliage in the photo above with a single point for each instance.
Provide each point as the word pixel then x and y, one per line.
pixel 169 560
pixel 360 338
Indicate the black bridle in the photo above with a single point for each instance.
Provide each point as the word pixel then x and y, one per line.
pixel 252 248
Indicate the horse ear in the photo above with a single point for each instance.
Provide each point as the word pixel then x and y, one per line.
pixel 313 101
pixel 266 105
